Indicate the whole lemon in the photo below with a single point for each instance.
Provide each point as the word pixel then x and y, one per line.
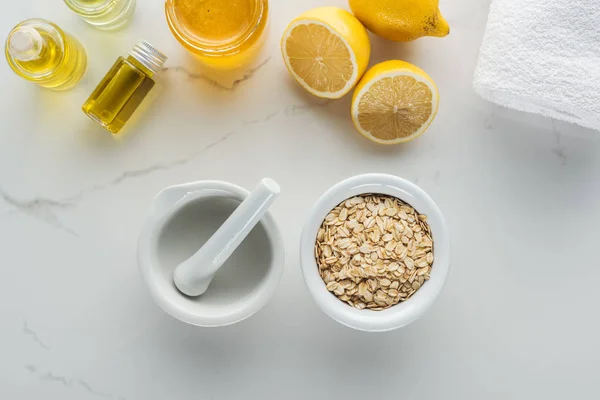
pixel 401 20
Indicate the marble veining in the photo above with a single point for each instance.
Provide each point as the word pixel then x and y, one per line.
pixel 559 149
pixel 42 209
pixel 71 383
pixel 204 77
pixel 27 331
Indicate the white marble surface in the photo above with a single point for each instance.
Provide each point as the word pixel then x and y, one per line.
pixel 518 318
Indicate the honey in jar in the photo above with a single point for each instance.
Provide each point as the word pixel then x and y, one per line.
pixel 224 34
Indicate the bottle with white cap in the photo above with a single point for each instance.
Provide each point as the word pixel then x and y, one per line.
pixel 41 52
pixel 125 86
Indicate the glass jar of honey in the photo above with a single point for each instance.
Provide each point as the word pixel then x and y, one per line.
pixel 224 34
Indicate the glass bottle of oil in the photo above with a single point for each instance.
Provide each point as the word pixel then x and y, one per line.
pixel 41 52
pixel 103 14
pixel 223 34
pixel 124 87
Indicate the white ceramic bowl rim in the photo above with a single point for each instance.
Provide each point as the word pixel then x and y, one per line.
pixel 164 207
pixel 401 314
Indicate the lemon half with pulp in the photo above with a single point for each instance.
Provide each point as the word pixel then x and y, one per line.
pixel 326 50
pixel 394 102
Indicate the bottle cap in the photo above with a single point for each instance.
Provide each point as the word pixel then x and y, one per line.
pixel 148 55
pixel 25 43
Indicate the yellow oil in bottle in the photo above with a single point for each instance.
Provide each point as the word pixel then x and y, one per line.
pixel 224 34
pixel 103 14
pixel 39 51
pixel 125 86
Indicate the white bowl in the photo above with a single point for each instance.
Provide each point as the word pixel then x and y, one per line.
pixel 181 220
pixel 403 313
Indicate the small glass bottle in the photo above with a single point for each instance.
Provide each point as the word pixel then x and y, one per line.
pixel 39 51
pixel 124 87
pixel 103 14
pixel 224 34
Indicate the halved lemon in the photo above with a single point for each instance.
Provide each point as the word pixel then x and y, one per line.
pixel 394 102
pixel 326 50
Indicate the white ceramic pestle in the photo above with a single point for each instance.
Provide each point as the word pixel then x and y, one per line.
pixel 193 276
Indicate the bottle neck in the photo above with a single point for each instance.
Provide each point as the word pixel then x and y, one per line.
pixel 25 43
pixel 148 56
pixel 91 8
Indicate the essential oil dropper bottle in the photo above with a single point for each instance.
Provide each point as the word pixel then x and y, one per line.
pixel 39 51
pixel 103 14
pixel 124 87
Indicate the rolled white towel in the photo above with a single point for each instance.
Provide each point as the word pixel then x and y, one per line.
pixel 543 56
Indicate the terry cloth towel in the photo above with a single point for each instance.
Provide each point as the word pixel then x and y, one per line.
pixel 543 56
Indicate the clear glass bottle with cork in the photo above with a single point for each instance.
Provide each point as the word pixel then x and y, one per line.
pixel 103 14
pixel 40 52
pixel 125 86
